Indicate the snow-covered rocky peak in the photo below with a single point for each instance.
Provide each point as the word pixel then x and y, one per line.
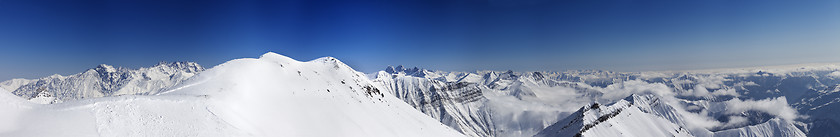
pixel 337 64
pixel 452 103
pixel 178 65
pixel 415 71
pixel 772 128
pixel 622 118
pixel 104 80
pixel 653 115
pixel 103 68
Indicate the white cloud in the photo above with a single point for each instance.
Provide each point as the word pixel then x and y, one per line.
pixel 624 89
pixel 695 121
pixel 702 120
pixel 741 85
pixel 726 91
pixel 698 91
pixel 711 81
pixel 774 106
pixel 745 83
pixel 835 74
pixel 736 121
pixel 701 91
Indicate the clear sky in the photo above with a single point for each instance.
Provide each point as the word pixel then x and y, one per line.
pixel 43 37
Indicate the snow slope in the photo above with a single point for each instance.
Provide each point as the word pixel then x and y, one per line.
pixel 112 116
pixel 270 96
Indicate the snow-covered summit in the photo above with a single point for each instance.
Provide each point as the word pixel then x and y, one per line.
pixel 104 68
pixel 277 58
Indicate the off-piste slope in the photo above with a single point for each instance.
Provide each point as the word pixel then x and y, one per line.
pixel 270 96
pixel 111 117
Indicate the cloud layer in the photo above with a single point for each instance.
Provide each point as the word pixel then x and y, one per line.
pixel 775 106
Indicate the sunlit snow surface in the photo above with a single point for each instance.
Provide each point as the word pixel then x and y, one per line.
pixel 277 96
pixel 270 96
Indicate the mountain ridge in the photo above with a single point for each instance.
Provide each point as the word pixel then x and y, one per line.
pixel 266 96
pixel 704 92
pixel 104 80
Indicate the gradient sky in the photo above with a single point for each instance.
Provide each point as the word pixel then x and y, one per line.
pixel 39 38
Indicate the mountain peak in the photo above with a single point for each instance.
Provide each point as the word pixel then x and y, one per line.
pixel 633 98
pixel 105 68
pixel 400 68
pixel 175 63
pixel 55 76
pixel 621 118
pixel 329 59
pixel 277 58
pixel 390 69
pixel 415 71
pixel 181 65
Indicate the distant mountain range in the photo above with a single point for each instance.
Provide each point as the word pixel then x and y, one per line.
pixel 103 80
pixel 728 102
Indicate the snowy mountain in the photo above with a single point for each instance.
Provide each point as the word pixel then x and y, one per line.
pixel 508 103
pixel 486 103
pixel 101 81
pixel 651 115
pixel 458 105
pixel 622 118
pixel 772 128
pixel 278 96
pixel 269 96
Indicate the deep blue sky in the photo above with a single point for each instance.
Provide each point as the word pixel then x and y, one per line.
pixel 43 37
